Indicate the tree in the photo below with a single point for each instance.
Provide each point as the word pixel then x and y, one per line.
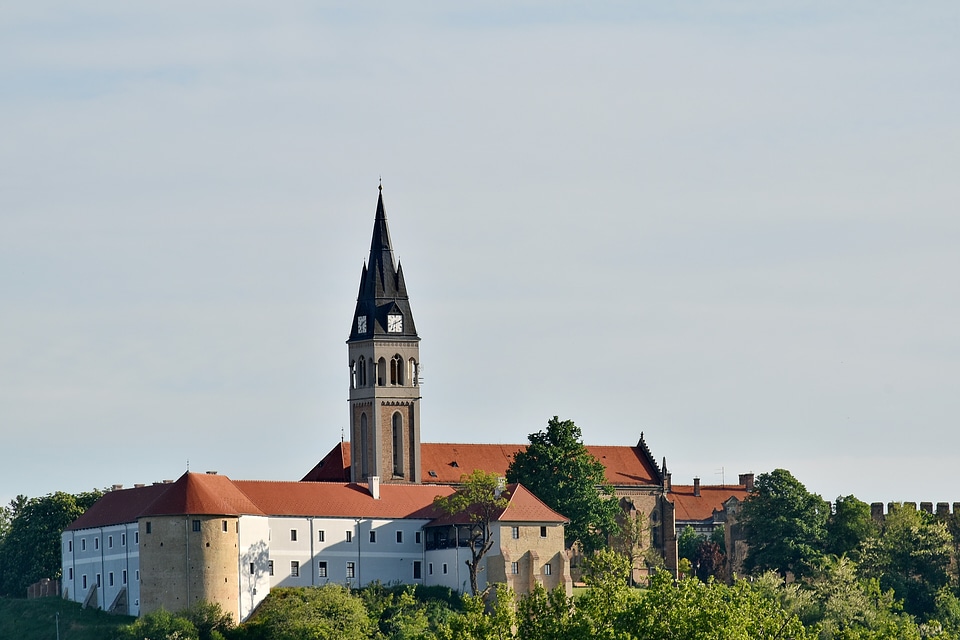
pixel 30 550
pixel 559 470
pixel 633 538
pixel 785 525
pixel 481 501
pixel 160 624
pixel 848 527
pixel 329 612
pixel 687 543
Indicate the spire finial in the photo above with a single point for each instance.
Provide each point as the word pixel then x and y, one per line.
pixel 380 188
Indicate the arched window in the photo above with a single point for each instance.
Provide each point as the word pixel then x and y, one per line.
pixel 363 446
pixel 362 372
pixel 381 372
pixel 353 374
pixel 397 444
pixel 414 370
pixel 396 370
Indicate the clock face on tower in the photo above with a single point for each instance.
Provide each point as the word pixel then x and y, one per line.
pixel 361 324
pixel 394 323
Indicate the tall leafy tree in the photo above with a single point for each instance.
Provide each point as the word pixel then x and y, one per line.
pixel 559 470
pixel 848 527
pixel 481 501
pixel 30 550
pixel 785 525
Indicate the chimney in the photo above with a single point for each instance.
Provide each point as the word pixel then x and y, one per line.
pixel 116 487
pixel 696 487
pixel 669 481
pixel 746 480
pixel 374 487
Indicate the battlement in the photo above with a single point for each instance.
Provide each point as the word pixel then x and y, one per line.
pixel 942 508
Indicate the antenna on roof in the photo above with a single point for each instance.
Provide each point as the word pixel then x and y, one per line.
pixel 341 434
pixel 723 480
pixel 188 465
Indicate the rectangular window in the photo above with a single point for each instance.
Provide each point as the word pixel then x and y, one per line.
pixel 136 537
pixel 444 568
pixel 98 580
pixel 253 568
pixel 320 536
pixel 196 526
pixel 293 535
pixel 109 542
pixel 514 568
pixel 322 569
pixel 417 538
pixel 349 536
pixel 294 569
pixel 270 567
pixel 69 546
pixel 399 537
pixel 373 537
pixel 351 569
pixel 110 578
pixel 123 577
pixel 543 532
pixel 515 533
pixel 223 523
pixel 138 575
pixel 83 544
pixel 547 569
pixel 417 570
pixel 83 581
pixel 96 543
pixel 70 573
pixel 123 539
pixel 430 568
pixel 149 528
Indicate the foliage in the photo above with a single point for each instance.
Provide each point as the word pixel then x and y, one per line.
pixel 30 550
pixel 785 525
pixel 321 613
pixel 912 557
pixel 709 561
pixel 543 614
pixel 606 573
pixel 687 543
pixel 633 540
pixel 476 623
pixel 37 619
pixel 407 612
pixel 480 499
pixel 718 537
pixel 849 526
pixel 209 619
pixel 159 624
pixel 559 470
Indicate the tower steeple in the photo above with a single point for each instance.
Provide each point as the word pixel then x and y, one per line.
pixel 384 359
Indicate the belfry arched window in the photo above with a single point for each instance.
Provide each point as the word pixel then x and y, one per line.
pixel 361 372
pixel 381 372
pixel 413 369
pixel 363 445
pixel 353 374
pixel 396 370
pixel 397 444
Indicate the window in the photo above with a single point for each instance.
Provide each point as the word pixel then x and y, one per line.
pixel 123 539
pixel 223 524
pixel 417 570
pixel 110 578
pixel 196 526
pixel 373 537
pixel 322 569
pixel 136 537
pixel 417 537
pixel 515 533
pixel 110 542
pixel 320 536
pixel 293 535
pixel 351 569
pixel 430 569
pixel 69 546
pixel 547 569
pixel 514 568
pixel 270 567
pixel 96 543
pixel 123 577
pixel 294 569
pixel 83 544
pixel 397 444
pixel 361 372
pixel 138 575
pixel 98 580
pixel 363 445
pixel 543 532
pixel 253 568
pixel 396 370
pixel 70 573
pixel 399 537
pixel 149 528
pixel 83 581
pixel 349 536
pixel 444 568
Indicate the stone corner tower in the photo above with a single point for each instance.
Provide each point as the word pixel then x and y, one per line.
pixel 384 360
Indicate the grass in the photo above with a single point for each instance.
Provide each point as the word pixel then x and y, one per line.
pixel 37 620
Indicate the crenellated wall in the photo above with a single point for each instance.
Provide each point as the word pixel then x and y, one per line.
pixel 942 508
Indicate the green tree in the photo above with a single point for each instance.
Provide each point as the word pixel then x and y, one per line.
pixel 785 525
pixel 848 527
pixel 549 614
pixel 687 543
pixel 605 573
pixel 160 625
pixel 911 556
pixel 209 619
pixel 30 550
pixel 633 539
pixel 559 470
pixel 479 499
pixel 481 620
pixel 330 612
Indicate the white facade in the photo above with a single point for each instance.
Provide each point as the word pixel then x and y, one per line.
pixel 101 567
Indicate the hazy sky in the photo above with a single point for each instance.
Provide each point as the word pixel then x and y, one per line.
pixel 731 226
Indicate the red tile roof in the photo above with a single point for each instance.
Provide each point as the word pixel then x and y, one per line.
pixel 119 507
pixel 203 494
pixel 522 506
pixel 699 508
pixel 625 466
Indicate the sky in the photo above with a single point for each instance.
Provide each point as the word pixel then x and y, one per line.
pixel 731 227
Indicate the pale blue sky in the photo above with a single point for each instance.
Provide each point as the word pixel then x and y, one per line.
pixel 730 226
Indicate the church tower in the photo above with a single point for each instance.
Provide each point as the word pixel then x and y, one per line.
pixel 384 359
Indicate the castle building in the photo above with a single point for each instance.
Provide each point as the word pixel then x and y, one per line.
pixel 364 513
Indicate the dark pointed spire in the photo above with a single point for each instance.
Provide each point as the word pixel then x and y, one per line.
pixel 383 291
